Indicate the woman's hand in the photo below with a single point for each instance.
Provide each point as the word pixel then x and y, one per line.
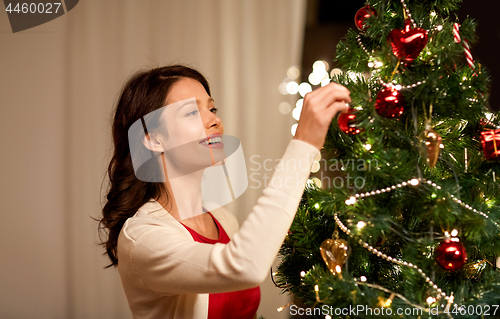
pixel 318 110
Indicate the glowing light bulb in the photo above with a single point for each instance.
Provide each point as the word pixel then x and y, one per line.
pixel 350 201
pixel 293 72
pixel 320 65
pixel 299 103
pixel 284 108
pixel 304 88
pixel 296 113
pixel 315 167
pixel 292 87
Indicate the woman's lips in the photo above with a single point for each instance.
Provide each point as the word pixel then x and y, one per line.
pixel 213 141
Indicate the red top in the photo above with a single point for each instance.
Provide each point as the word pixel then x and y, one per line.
pixel 241 304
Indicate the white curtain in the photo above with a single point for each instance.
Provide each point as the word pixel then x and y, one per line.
pixel 58 85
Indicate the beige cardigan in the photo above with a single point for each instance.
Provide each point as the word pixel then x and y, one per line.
pixel 166 274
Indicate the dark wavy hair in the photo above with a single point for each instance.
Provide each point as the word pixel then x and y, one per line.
pixel 144 92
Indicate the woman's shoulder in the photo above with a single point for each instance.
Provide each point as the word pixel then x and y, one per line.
pixel 150 216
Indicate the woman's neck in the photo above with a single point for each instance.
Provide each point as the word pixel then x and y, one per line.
pixel 184 200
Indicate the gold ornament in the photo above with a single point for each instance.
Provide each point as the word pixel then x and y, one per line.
pixel 431 145
pixel 334 253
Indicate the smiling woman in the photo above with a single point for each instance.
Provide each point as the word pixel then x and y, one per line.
pixel 176 258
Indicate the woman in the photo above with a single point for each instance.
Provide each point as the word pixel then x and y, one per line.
pixel 176 260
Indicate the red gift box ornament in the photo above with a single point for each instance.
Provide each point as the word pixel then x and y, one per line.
pixel 491 144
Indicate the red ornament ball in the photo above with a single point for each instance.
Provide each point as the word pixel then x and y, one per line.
pixel 451 254
pixel 347 122
pixel 363 14
pixel 390 103
pixel 408 43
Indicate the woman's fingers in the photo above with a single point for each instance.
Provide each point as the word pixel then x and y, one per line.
pixel 327 95
pixel 318 110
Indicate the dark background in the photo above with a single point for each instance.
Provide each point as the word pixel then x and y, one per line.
pixel 327 22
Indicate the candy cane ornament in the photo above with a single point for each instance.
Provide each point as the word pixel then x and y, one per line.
pixel 465 44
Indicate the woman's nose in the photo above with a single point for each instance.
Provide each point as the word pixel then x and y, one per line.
pixel 214 121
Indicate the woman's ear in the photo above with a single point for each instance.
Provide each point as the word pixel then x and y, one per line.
pixel 153 143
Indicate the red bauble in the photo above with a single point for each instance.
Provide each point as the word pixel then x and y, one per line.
pixel 363 14
pixel 408 43
pixel 347 122
pixel 451 254
pixel 491 144
pixel 390 103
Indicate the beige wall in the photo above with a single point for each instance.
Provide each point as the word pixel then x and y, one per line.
pixel 58 83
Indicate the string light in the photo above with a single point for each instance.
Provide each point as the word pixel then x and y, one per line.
pixel 399 86
pixel 389 258
pixel 389 301
pixel 280 309
pixel 415 182
pixel 338 269
pixel 350 201
pixel 316 290
pixel 401 296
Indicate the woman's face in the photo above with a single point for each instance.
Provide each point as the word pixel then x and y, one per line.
pixel 194 131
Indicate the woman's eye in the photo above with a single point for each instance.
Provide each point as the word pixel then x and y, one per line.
pixel 192 113
pixel 214 110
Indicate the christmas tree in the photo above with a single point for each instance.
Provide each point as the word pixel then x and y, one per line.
pixel 419 235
